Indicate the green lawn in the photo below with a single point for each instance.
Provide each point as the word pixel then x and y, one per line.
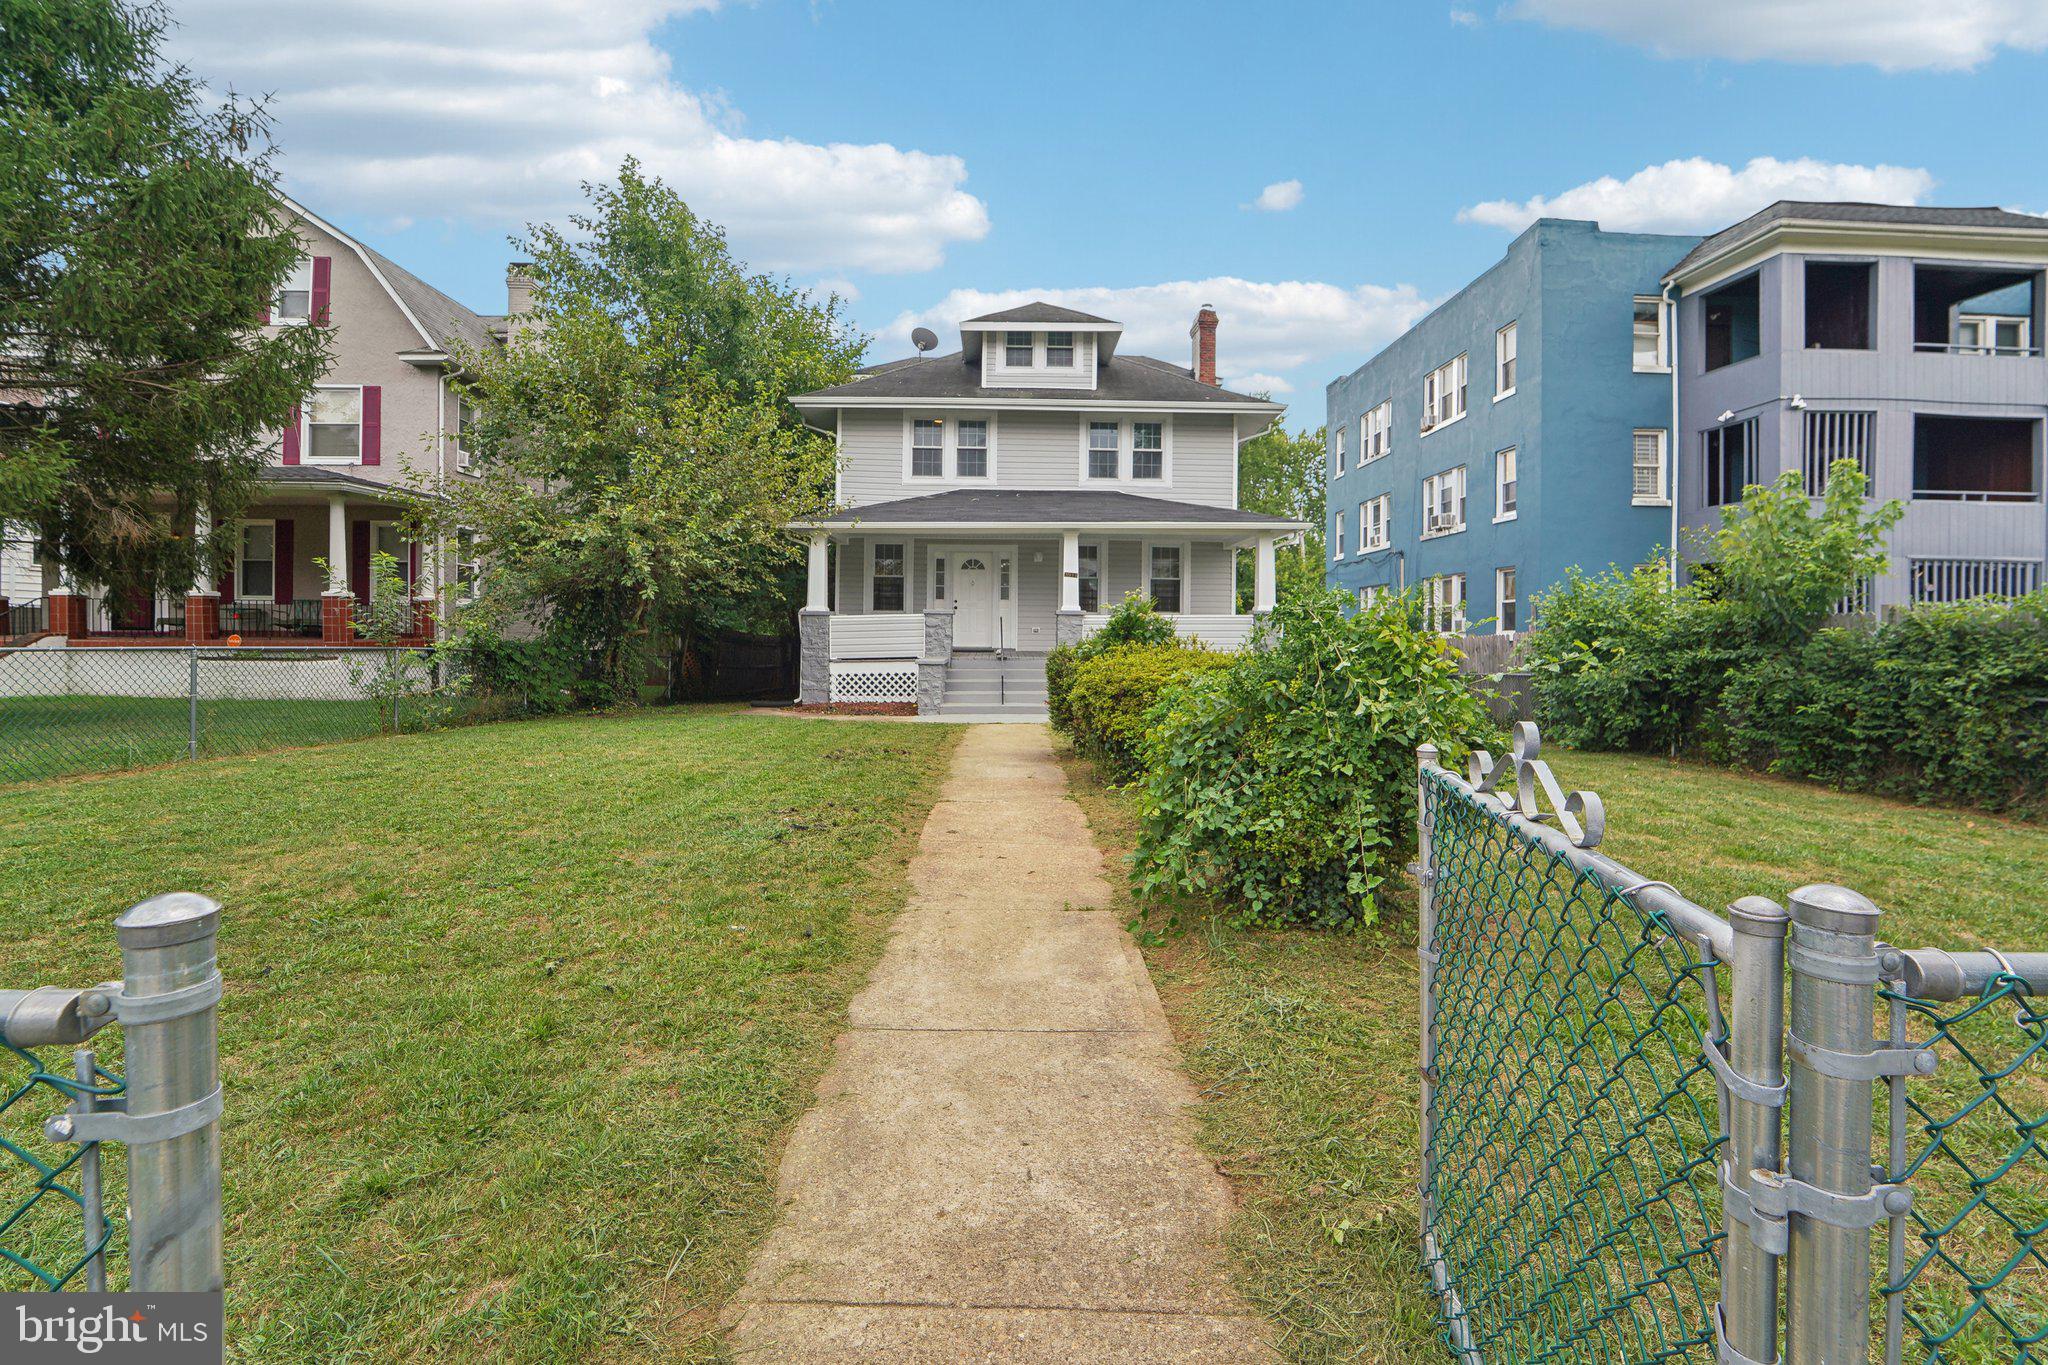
pixel 1303 1045
pixel 45 737
pixel 516 1016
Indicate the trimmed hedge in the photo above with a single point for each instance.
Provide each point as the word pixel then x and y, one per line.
pixel 1111 693
pixel 1132 621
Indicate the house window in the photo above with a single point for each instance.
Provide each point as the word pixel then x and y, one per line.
pixel 1648 488
pixel 1371 593
pixel 1832 436
pixel 1652 351
pixel 927 448
pixel 1373 522
pixel 1148 450
pixel 294 301
pixel 1340 448
pixel 1983 335
pixel 1506 609
pixel 1443 395
pixel 1730 462
pixel 1375 431
pixel 256 561
pixel 1017 350
pixel 970 458
pixel 1838 305
pixel 1443 503
pixel 1164 579
pixel 887 578
pixel 1975 310
pixel 1091 578
pixel 1337 545
pixel 1059 349
pixel 1103 439
pixel 465 416
pixel 1504 362
pixel 334 425
pixel 1975 459
pixel 467 567
pixel 938 578
pixel 1733 323
pixel 1504 485
pixel 1443 601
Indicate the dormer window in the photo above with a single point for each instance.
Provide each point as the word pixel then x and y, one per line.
pixel 1059 350
pixel 1017 350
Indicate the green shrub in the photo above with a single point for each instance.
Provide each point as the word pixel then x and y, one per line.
pixel 1132 621
pixel 533 675
pixel 1113 692
pixel 1943 703
pixel 1283 786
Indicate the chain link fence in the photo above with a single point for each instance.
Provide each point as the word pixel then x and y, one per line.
pixel 78 709
pixel 1650 1132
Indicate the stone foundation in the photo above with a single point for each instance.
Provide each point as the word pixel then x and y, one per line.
pixel 814 669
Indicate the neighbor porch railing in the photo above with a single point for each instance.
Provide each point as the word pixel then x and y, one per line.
pixel 135 620
pixel 1216 631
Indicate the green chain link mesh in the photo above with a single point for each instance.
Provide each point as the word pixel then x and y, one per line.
pixel 1572 1192
pixel 42 1237
pixel 1974 1280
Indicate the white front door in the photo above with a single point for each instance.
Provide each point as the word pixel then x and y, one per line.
pixel 974 600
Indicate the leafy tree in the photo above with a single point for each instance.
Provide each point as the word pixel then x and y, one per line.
pixel 139 239
pixel 638 455
pixel 1280 473
pixel 1787 563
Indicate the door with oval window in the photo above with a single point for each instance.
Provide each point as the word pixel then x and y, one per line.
pixel 974 601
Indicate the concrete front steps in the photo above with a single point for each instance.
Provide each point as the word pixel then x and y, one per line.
pixel 988 685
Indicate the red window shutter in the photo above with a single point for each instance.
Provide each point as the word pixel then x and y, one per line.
pixel 412 568
pixel 323 285
pixel 373 424
pixel 286 543
pixel 359 560
pixel 291 439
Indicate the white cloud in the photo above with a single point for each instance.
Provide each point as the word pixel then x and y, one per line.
pixel 1698 195
pixel 1278 197
pixel 1465 18
pixel 492 111
pixel 1894 35
pixel 1266 330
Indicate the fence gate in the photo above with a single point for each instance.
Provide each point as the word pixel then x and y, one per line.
pixel 1650 1131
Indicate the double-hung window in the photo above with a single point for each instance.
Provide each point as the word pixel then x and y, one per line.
pixel 1091 578
pixel 1148 450
pixel 1443 503
pixel 970 453
pixel 256 561
pixel 1104 440
pixel 1506 609
pixel 1649 468
pixel 294 301
pixel 950 448
pixel 1652 349
pixel 468 568
pixel 1443 601
pixel 1017 350
pixel 886 582
pixel 334 426
pixel 1730 462
pixel 927 448
pixel 1372 523
pixel 1338 451
pixel 1337 544
pixel 1134 451
pixel 1163 576
pixel 1059 350
pixel 1505 484
pixel 1503 362
pixel 1375 431
pixel 465 417
pixel 1443 395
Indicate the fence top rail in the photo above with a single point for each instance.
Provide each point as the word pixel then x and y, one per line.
pixel 1571 830
pixel 1935 974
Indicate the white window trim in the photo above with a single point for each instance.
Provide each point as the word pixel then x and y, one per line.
pixel 949 435
pixel 1433 595
pixel 306 455
pixel 235 570
pixel 1101 548
pixel 1187 571
pixel 1450 364
pixel 1663 365
pixel 1500 600
pixel 1384 540
pixel 277 318
pixel 1500 516
pixel 1384 410
pixel 1429 501
pixel 1124 450
pixel 1337 543
pixel 1499 358
pixel 463 463
pixel 1338 452
pixel 1663 467
pixel 909 575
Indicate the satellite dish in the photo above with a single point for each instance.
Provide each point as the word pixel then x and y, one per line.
pixel 924 338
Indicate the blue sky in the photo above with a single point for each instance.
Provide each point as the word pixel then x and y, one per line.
pixel 930 159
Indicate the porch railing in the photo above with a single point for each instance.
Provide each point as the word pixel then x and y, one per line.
pixel 156 616
pixel 24 620
pixel 298 617
pixel 882 635
pixel 1215 631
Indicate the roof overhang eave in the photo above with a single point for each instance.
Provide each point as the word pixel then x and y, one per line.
pixel 803 402
pixel 1275 526
pixel 1711 269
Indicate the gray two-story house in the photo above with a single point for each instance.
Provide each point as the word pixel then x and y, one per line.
pixel 1905 339
pixel 1001 498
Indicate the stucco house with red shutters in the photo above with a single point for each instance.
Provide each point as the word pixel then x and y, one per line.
pixel 383 413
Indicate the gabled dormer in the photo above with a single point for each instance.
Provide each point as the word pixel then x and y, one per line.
pixel 1039 346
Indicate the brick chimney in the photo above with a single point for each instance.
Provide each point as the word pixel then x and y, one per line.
pixel 518 288
pixel 1203 335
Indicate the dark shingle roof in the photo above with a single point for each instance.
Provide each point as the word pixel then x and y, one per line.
pixel 1903 215
pixel 1126 378
pixel 445 319
pixel 286 475
pixel 1059 507
pixel 1039 312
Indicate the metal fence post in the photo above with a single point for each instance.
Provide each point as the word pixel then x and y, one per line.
pixel 1826 1196
pixel 1756 1099
pixel 169 1013
pixel 192 692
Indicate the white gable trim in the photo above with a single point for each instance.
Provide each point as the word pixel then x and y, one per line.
pixel 428 342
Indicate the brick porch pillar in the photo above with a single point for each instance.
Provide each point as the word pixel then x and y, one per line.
pixel 202 617
pixel 337 618
pixel 423 618
pixel 66 613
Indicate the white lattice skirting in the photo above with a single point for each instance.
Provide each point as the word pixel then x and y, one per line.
pixel 874 682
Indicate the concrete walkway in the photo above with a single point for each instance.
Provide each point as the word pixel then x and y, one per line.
pixel 999 1166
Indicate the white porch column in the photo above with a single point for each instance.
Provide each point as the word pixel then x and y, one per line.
pixel 1070 571
pixel 1263 594
pixel 202 526
pixel 820 594
pixel 337 546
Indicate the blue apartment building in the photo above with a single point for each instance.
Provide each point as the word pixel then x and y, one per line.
pixel 1520 429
